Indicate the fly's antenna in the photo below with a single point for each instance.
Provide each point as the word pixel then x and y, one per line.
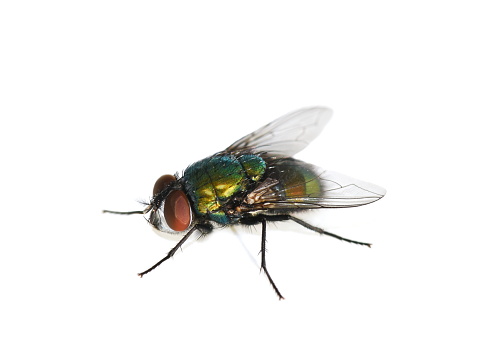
pixel 145 211
pixel 116 212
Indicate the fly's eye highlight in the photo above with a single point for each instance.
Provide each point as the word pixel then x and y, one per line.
pixel 177 211
pixel 162 182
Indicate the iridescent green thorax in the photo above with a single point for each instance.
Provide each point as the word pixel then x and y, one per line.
pixel 214 181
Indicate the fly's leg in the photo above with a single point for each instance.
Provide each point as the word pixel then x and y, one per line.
pixel 204 229
pixel 256 220
pixel 287 217
pixel 263 219
pixel 263 257
pixel 321 231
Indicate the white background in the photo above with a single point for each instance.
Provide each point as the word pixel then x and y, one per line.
pixel 99 98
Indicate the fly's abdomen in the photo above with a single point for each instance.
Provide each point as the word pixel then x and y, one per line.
pixel 214 182
pixel 291 184
pixel 299 181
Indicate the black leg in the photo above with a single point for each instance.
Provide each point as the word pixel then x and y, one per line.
pixel 287 217
pixel 172 251
pixel 321 231
pixel 263 257
pixel 263 219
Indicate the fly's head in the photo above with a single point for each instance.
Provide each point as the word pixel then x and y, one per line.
pixel 170 209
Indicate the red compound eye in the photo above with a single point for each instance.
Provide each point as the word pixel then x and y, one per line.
pixel 162 182
pixel 177 211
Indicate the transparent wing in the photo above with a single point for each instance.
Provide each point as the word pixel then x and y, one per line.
pixel 287 135
pixel 340 191
pixel 299 185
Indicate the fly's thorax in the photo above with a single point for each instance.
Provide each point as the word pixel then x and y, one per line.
pixel 216 182
pixel 170 207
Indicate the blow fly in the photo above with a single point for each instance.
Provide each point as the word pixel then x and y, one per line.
pixel 255 181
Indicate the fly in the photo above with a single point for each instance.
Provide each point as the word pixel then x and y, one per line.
pixel 254 181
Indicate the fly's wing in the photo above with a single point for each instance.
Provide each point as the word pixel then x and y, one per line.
pixel 293 184
pixel 287 135
pixel 341 191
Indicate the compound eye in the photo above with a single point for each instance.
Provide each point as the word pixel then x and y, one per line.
pixel 162 182
pixel 177 211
